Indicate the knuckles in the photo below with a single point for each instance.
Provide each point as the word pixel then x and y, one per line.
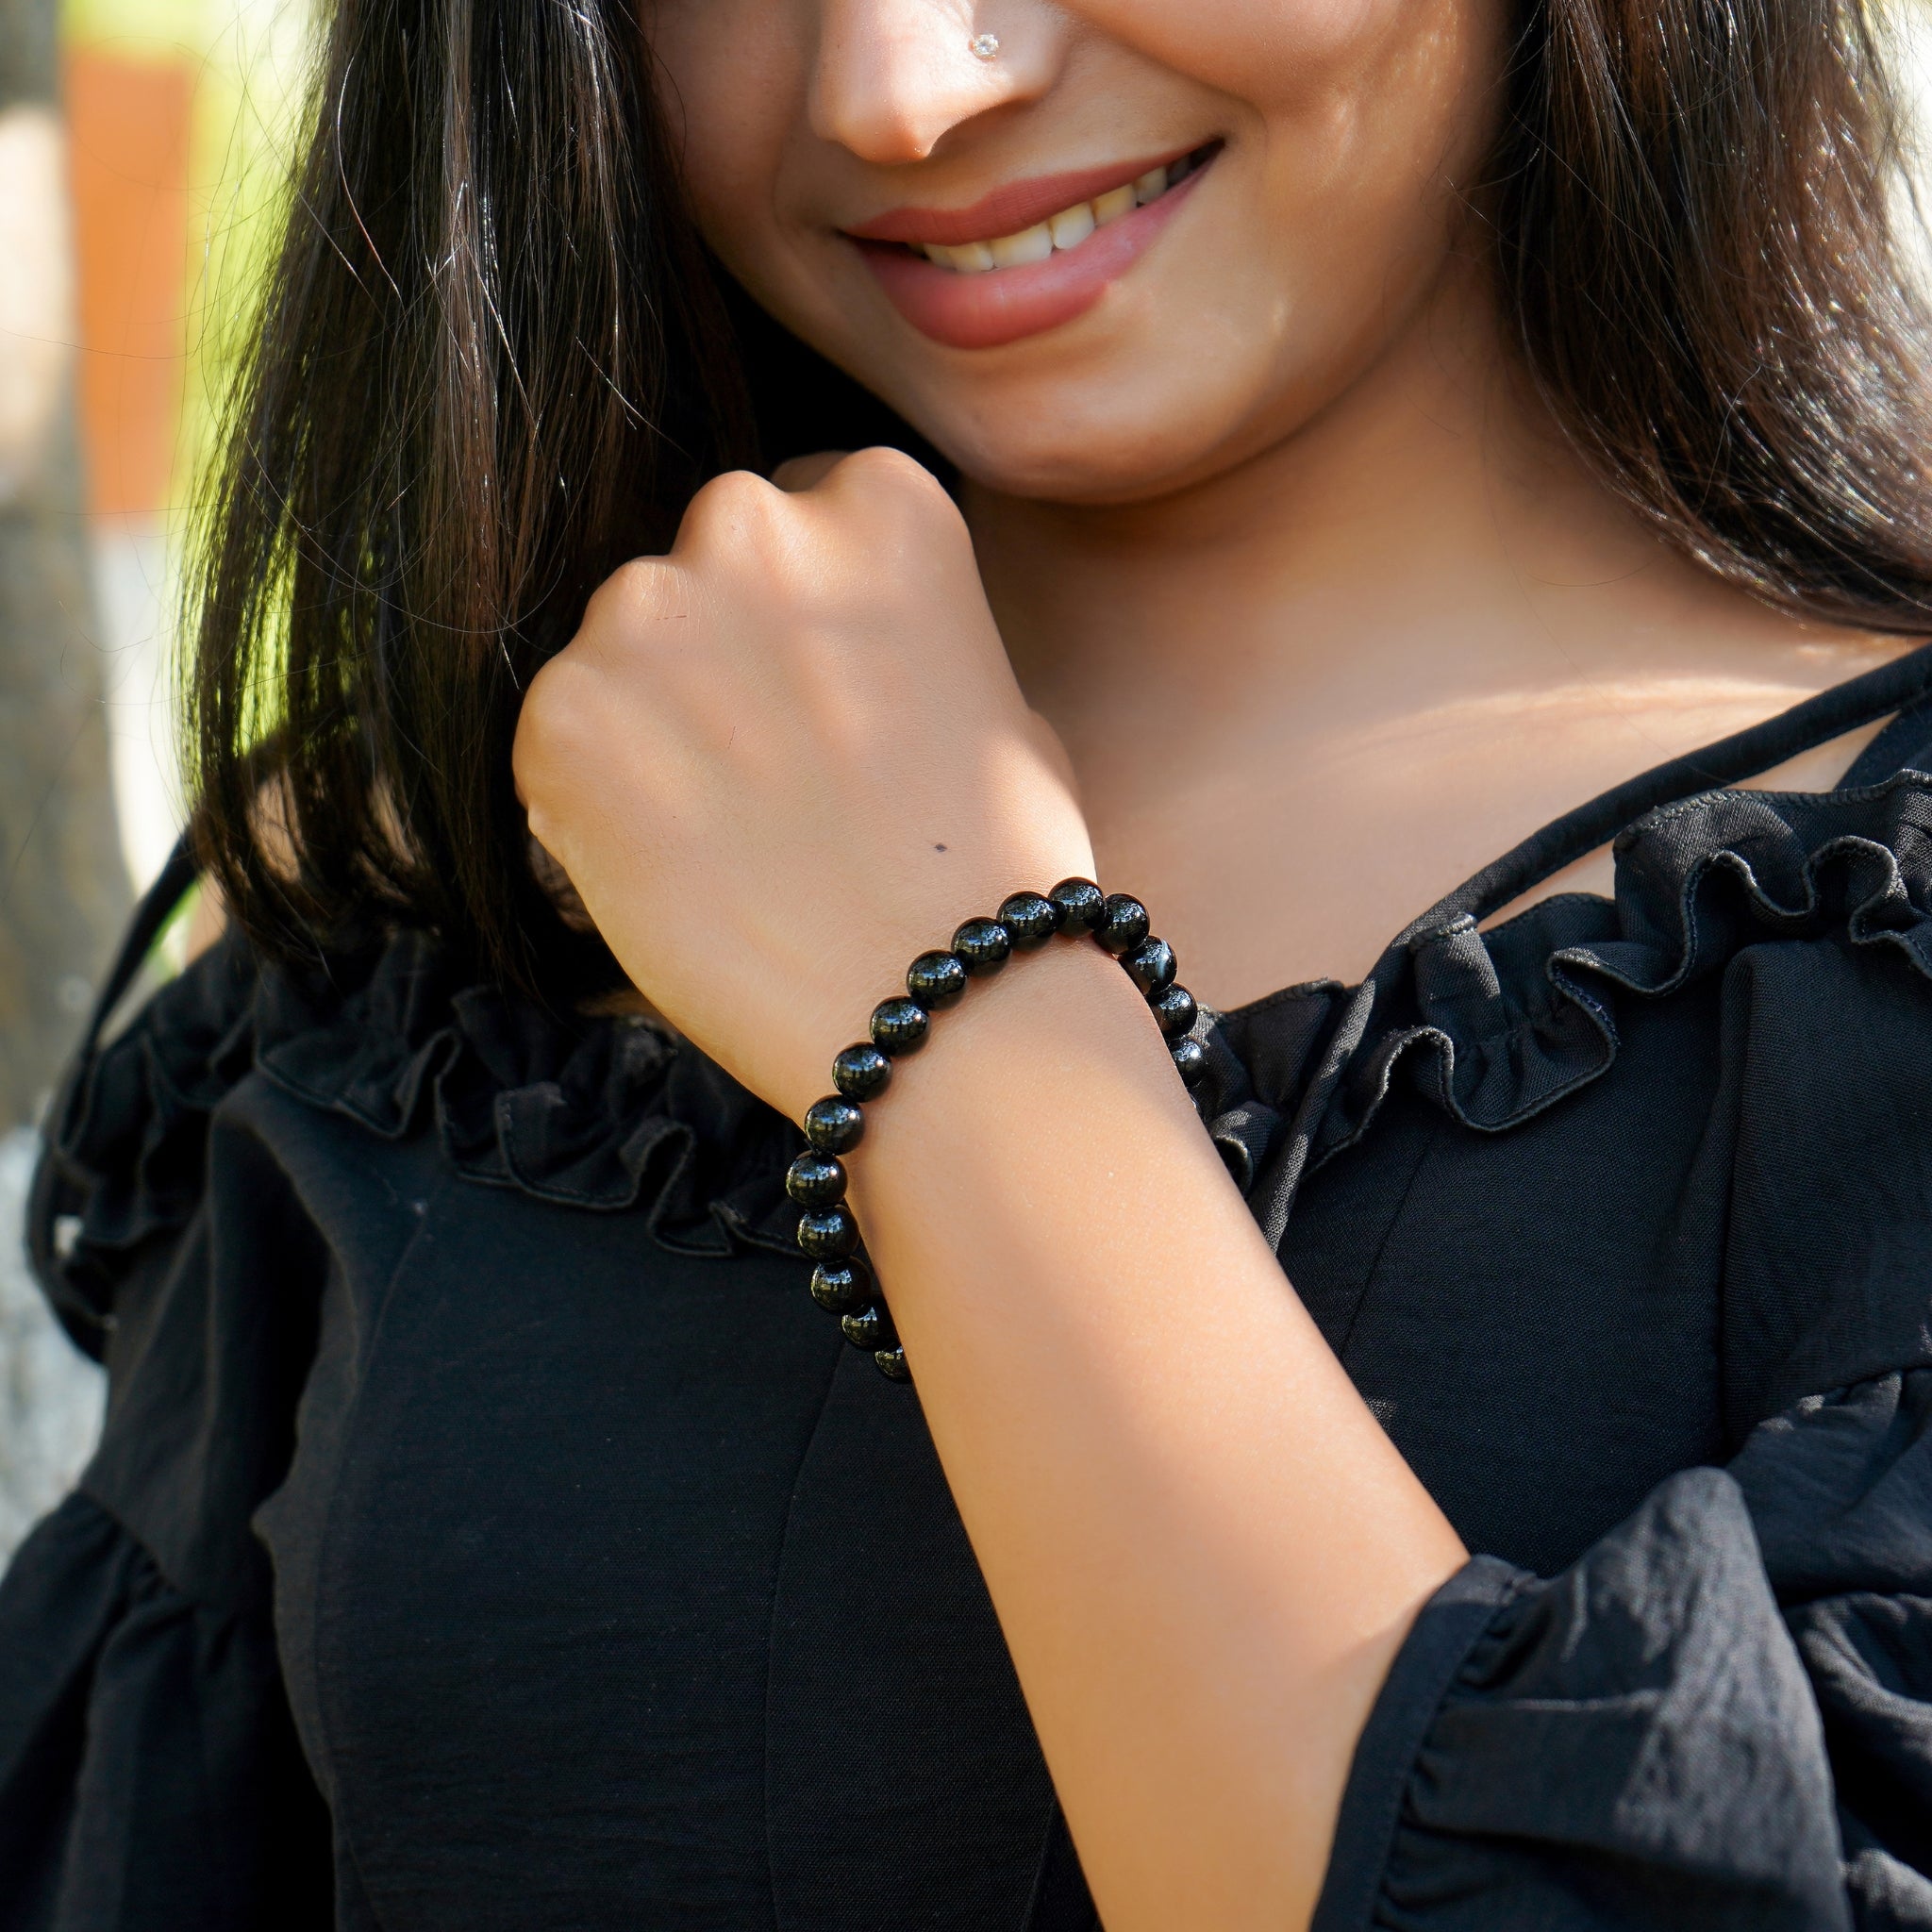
pixel 765 590
pixel 872 504
pixel 889 472
pixel 888 491
pixel 554 728
pixel 642 591
pixel 739 520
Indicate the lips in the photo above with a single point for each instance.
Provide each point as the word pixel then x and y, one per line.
pixel 1068 238
pixel 1009 209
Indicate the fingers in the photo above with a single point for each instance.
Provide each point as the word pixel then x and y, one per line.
pixel 875 465
pixel 881 471
pixel 803 473
pixel 821 513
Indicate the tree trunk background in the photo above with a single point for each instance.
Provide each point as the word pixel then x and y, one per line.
pixel 63 884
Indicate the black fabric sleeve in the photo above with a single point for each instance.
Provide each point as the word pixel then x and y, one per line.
pixel 1720 1717
pixel 150 1779
pixel 150 1775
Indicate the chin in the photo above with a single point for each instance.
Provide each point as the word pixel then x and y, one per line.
pixel 1102 440
pixel 1075 469
pixel 1111 456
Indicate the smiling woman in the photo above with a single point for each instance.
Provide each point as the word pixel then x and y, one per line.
pixel 1425 493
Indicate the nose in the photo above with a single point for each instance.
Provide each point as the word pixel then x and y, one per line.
pixel 893 78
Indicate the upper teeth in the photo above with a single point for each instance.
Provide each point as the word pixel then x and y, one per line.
pixel 1067 229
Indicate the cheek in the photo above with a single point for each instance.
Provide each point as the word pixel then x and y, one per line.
pixel 726 71
pixel 1359 111
pixel 1269 53
pixel 1371 116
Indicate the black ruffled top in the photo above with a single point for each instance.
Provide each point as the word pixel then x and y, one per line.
pixel 488 1532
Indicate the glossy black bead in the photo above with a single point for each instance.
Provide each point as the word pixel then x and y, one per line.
pixel 1174 1007
pixel 862 1072
pixel 841 1288
pixel 1149 966
pixel 1124 923
pixel 1189 1059
pixel 870 1328
pixel 936 979
pixel 1080 904
pixel 816 1180
pixel 893 1365
pixel 1030 918
pixel 983 946
pixel 828 1234
pixel 833 1124
pixel 899 1026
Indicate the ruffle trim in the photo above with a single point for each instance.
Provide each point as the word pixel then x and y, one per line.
pixel 615 1114
pixel 1494 1027
pixel 610 1114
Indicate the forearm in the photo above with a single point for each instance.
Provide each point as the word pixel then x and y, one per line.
pixel 1202 1547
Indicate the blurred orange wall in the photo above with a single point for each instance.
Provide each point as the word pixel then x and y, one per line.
pixel 129 121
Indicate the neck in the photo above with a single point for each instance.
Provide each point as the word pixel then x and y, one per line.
pixel 1350 632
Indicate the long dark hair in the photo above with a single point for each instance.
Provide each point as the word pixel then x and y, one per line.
pixel 493 359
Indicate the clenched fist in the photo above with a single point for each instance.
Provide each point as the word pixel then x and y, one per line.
pixel 785 758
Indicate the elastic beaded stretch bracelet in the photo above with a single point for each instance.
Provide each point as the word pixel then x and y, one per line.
pixel 841 1283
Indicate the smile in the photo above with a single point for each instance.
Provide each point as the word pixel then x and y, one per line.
pixel 1007 268
pixel 1065 230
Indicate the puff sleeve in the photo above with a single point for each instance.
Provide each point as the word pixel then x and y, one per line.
pixel 1720 1716
pixel 150 1775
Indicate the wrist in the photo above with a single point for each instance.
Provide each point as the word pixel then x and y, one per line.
pixel 1046 1022
pixel 1045 1139
pixel 1057 1046
pixel 1114 1010
pixel 863 959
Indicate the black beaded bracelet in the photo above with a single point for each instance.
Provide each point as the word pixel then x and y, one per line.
pixel 841 1283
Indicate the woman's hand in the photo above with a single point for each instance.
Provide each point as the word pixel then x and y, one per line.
pixel 780 762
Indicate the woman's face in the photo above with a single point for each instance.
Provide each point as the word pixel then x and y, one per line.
pixel 1080 337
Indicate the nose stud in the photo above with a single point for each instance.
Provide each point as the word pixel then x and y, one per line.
pixel 984 46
